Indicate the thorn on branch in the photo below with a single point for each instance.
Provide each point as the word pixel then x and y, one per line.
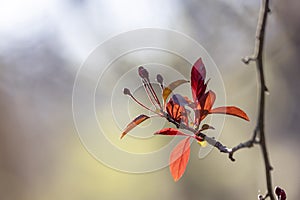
pixel 248 59
pixel 266 89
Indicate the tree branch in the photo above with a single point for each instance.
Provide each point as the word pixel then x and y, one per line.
pixel 258 58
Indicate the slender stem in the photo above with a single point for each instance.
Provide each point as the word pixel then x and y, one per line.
pixel 138 102
pixel 154 94
pixel 148 92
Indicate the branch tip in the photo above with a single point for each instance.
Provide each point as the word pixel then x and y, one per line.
pixel 230 156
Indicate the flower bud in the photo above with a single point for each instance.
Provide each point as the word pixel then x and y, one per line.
pixel 143 73
pixel 280 193
pixel 159 79
pixel 126 91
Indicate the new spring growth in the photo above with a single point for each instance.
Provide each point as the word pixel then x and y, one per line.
pixel 160 80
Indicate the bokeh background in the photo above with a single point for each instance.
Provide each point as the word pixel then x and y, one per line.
pixel 42 45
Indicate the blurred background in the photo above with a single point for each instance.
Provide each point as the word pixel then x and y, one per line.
pixel 42 45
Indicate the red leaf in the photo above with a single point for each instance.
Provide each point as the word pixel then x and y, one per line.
pixel 198 75
pixel 173 110
pixel 134 123
pixel 210 100
pixel 177 112
pixel 170 131
pixel 230 110
pixel 203 106
pixel 179 158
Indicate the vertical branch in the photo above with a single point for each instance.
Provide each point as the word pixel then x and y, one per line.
pixel 258 58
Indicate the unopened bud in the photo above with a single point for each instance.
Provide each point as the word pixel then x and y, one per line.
pixel 159 79
pixel 126 91
pixel 143 72
pixel 280 193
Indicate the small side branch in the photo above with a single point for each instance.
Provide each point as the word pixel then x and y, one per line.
pixel 230 151
pixel 247 144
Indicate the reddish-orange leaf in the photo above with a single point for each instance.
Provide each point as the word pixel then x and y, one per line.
pixel 204 105
pixel 210 100
pixel 169 89
pixel 174 110
pixel 177 112
pixel 139 119
pixel 230 110
pixel 179 158
pixel 170 131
